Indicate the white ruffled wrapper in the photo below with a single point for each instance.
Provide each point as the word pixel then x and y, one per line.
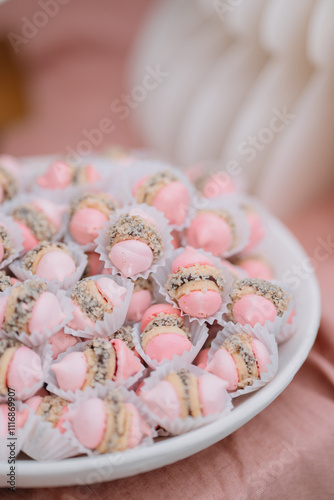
pixel 267 337
pixel 180 425
pixel 21 435
pixel 52 385
pixel 116 192
pixel 148 167
pixel 36 338
pixel 228 204
pixel 161 277
pixel 112 322
pixel 45 353
pixel 198 333
pixel 16 238
pixel 45 443
pixel 128 397
pixel 286 329
pixel 240 200
pixel 80 260
pixel 25 198
pixel 164 229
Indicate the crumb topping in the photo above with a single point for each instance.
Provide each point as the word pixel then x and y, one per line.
pixel 142 284
pixel 133 227
pixel 167 320
pixel 194 273
pixel 124 334
pixel 7 344
pixel 6 242
pixel 92 304
pixel 102 350
pixel 264 288
pixel 9 184
pixel 101 201
pixel 152 184
pixel 51 408
pixel 36 221
pixel 5 281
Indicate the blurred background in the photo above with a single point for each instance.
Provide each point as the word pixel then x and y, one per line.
pixel 245 83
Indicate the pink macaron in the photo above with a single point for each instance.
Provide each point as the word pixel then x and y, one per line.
pixel 211 232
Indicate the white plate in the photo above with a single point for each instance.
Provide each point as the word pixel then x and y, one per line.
pixel 292 355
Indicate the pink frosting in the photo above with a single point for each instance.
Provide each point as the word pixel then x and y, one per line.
pixel 138 429
pixel 212 394
pixel 131 257
pixel 127 362
pixel 3 305
pixel 139 302
pixel 166 346
pixel 94 265
pixel 46 313
pixel 89 422
pixel 143 215
pixel 218 185
pixel 257 230
pixel 80 321
pixel 173 201
pixel 57 176
pixel 85 224
pixel 52 211
pixel 222 364
pixel 201 359
pixel 71 371
pixel 25 369
pixel 34 402
pixel 254 309
pixel 2 252
pixel 255 268
pixel 55 265
pixel 155 310
pixel 162 400
pixel 189 258
pixel 261 354
pixel 61 341
pixel 111 291
pixel 29 240
pixel 210 232
pixel 200 304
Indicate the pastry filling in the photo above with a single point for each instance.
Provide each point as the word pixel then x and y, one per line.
pixel 51 409
pixel 124 334
pixel 142 284
pixel 265 289
pixel 195 273
pixel 133 227
pixel 5 281
pixel 36 221
pixel 102 351
pixel 6 243
pixel 87 297
pixel 45 247
pixel 152 185
pixel 9 184
pixel 20 305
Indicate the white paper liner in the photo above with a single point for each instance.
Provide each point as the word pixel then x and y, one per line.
pixel 128 397
pixel 148 167
pixel 287 330
pixel 179 425
pixel 256 205
pixel 37 338
pixel 113 189
pixel 46 443
pixel 112 322
pixel 228 204
pixel 80 261
pixel 25 198
pixel 16 238
pixel 262 333
pixel 198 333
pixel 21 434
pixel 161 277
pixel 45 353
pixel 52 385
pixel 102 240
